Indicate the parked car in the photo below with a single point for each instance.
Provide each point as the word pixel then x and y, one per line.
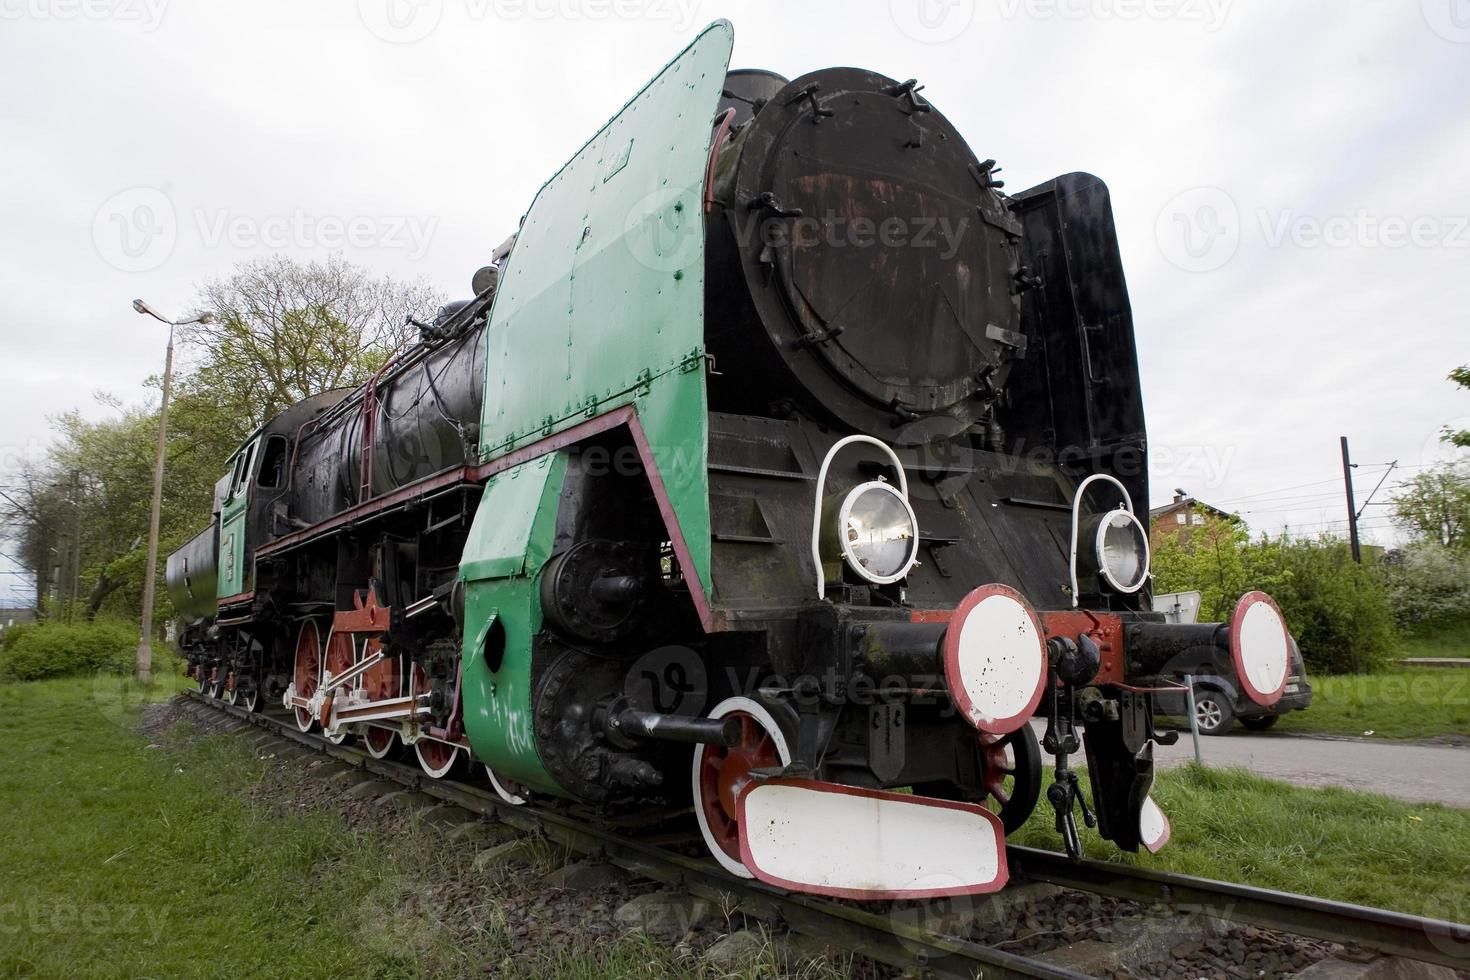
pixel 1218 700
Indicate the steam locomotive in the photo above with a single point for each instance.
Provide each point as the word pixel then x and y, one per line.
pixel 783 465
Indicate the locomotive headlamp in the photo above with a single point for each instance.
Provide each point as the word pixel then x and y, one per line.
pixel 872 527
pixel 1121 545
pixel 877 533
pixel 1119 552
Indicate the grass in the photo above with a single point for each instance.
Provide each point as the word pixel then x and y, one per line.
pixel 1354 847
pixel 121 856
pixel 171 855
pixel 1423 702
pixel 1447 642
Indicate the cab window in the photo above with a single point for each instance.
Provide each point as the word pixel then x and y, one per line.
pixel 242 471
pixel 273 464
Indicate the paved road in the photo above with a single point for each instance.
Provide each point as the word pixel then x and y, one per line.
pixel 1417 773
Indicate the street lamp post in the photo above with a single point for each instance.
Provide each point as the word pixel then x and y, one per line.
pixel 145 639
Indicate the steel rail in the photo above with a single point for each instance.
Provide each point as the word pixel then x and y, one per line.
pixel 1394 933
pixel 850 928
pixel 905 944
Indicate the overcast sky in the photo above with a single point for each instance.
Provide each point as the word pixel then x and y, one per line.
pixel 1290 181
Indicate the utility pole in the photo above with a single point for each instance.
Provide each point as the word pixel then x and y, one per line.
pixel 1347 479
pixel 76 561
pixel 144 663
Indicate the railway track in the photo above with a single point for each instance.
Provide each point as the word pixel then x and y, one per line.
pixel 900 940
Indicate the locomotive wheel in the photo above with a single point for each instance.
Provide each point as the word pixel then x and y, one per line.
pixel 341 656
pixel 250 701
pixel 378 683
pixel 216 686
pixel 1012 776
pixel 506 788
pixel 720 774
pixel 436 758
pixel 231 695
pixel 201 681
pixel 379 741
pixel 307 671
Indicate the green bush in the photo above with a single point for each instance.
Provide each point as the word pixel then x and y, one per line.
pixel 14 633
pixel 1338 610
pixel 57 649
pixel 1429 586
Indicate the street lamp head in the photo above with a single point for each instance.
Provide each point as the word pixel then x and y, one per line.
pixel 143 307
pixel 206 318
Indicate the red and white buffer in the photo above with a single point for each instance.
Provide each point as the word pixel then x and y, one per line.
pixel 850 842
pixel 1260 647
pixel 1153 826
pixel 853 842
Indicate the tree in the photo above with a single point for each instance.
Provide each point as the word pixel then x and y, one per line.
pixel 1429 587
pixel 37 506
pixel 1337 609
pixel 1461 437
pixel 285 330
pixel 1435 505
